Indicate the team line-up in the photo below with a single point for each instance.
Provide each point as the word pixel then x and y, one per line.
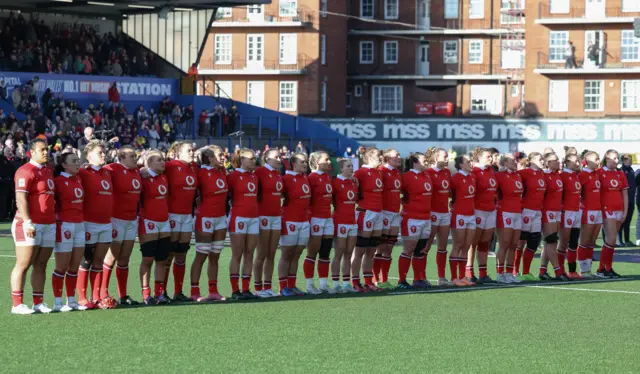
pixel 89 216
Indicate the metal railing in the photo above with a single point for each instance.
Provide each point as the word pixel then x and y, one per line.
pixel 505 21
pixel 544 11
pixel 304 16
pixel 297 67
pixel 543 61
pixel 478 69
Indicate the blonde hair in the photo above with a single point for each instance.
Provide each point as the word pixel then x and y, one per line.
pixel 568 150
pixel 174 150
pixel 477 152
pixel 603 162
pixel 239 154
pixel 432 153
pixel 589 154
pixel 344 162
pixel 265 155
pixel 92 146
pixel 368 154
pixel 296 156
pixel 314 157
pixel 151 154
pixel 387 152
pixel 530 157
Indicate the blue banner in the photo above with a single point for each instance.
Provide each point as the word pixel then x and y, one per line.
pixel 82 87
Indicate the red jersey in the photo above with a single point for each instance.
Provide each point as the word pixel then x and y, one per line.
pixel 297 197
pixel 183 182
pixel 321 194
pixel 463 192
pixel 417 192
pixel 37 182
pixel 212 186
pixel 590 190
pixel 98 194
pixel 392 183
pixel 344 201
pixel 571 191
pixel 269 191
pixel 486 188
pixel 69 198
pixel 614 183
pixel 370 189
pixel 510 189
pixel 155 191
pixel 441 180
pixel 534 188
pixel 553 195
pixel 243 187
pixel 127 186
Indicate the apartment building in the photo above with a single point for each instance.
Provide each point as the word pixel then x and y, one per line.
pixel 598 74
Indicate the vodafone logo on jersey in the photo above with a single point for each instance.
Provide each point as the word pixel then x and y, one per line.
pixel 67 234
pixel 445 184
pixel 597 184
pixel 278 186
pixel 220 183
pixel 518 184
pixel 578 186
pixel 305 188
pixel 492 182
pixel 162 190
pixel 559 183
pixel 378 182
pixel 397 183
pixel 472 190
pixel 50 184
pixel 351 195
pixel 190 180
pixel 427 186
pixel 78 192
pixel 328 188
pixel 136 184
pixel 251 186
pixel 541 182
pixel 614 183
pixel 105 185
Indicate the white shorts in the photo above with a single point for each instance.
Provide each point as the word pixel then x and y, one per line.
pixel 390 219
pixel 270 223
pixel 243 225
pixel 486 220
pixel 45 234
pixel 213 247
pixel 98 233
pixel 613 214
pixel 571 219
pixel 124 230
pixel 346 230
pixel 440 219
pixel 549 216
pixel 147 227
pixel 321 226
pixel 181 222
pixel 591 217
pixel 294 233
pixel 531 220
pixel 211 224
pixel 458 221
pixel 69 235
pixel 509 220
pixel 415 229
pixel 369 220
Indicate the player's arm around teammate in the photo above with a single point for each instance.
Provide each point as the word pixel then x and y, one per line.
pixel 463 219
pixel 345 195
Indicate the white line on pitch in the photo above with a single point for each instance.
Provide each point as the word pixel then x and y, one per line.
pixel 585 289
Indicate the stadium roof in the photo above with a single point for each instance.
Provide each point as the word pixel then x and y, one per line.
pixel 116 8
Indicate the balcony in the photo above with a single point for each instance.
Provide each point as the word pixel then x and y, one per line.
pixel 448 75
pixel 507 23
pixel 242 67
pixel 241 18
pixel 585 15
pixel 612 65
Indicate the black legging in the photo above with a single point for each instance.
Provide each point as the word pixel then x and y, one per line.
pixel 624 229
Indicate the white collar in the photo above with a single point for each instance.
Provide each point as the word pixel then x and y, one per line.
pixel 607 169
pixel 289 172
pixel 435 168
pixel 269 167
pixel 208 167
pixel 151 173
pixel 341 177
pixel 587 169
pixel 415 171
pixel 96 168
pixel 39 166
pixel 463 172
pixel 567 170
pixel 367 166
pixel 65 174
pixel 319 172
pixel 241 170
pixel 509 170
pixel 389 167
pixel 547 171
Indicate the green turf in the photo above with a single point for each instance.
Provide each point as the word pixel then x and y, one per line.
pixel 506 330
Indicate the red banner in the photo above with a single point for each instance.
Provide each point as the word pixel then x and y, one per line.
pixel 424 109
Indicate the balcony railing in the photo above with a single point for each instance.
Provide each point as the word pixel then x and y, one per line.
pixel 264 67
pixel 506 21
pixel 478 69
pixel 610 62
pixel 544 12
pixel 303 16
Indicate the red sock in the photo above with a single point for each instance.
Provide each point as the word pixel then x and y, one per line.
pixel 70 281
pixel 266 285
pixel 146 293
pixel 483 247
pixel 283 283
pixel 377 268
pixel 510 269
pixel 81 284
pixel 590 253
pixel 178 277
pixel 482 270
pixel 57 282
pixel 368 278
pixel 257 286
pixel 195 290
pixel 582 253
pixel 385 267
pixel 572 256
pixel 37 297
pixel 106 277
pixel 213 286
pixel 516 261
pixel 309 267
pixel 543 270
pixel 499 269
pixel 441 262
pixel 404 262
pixel 323 268
pixel 606 258
pixel 16 296
pixel 527 258
pixel 122 276
pixel 558 270
pixel 291 281
pixel 453 267
pixel 416 265
pixel 462 265
pixel 233 278
pixel 158 288
pixel 246 282
pixel 355 281
pixel 96 283
pixel 561 257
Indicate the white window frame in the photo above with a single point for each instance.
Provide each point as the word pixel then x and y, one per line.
pixel 224 12
pixel 562 47
pixel 634 95
pixel 628 6
pixel 293 96
pixel 475 42
pixel 478 6
pixel 223 89
pixel 507 52
pixel 288 54
pixel 362 46
pixel 559 6
pixel 450 56
pixel 600 96
pixel 324 8
pixel 508 19
pixel 323 96
pixel 349 100
pixel 377 104
pixel 288 8
pixel 357 90
pixel 388 46
pixel 370 4
pixel 628 36
pixel 486 99
pixel 323 49
pixel 249 90
pixel 514 90
pixel 557 104
pixel 391 9
pixel 220 59
pixel 451 9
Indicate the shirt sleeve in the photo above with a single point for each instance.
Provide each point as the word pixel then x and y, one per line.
pixel 23 181
pixel 624 182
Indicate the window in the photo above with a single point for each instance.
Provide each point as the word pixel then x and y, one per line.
pixel 507 18
pixel 391 9
pixel 366 8
pixel 512 54
pixel 630 6
pixel 514 91
pixel 387 99
pixel 324 7
pixel 450 9
pixel 559 6
pixel 358 90
pixel 631 95
pixel 475 51
pixel 255 93
pixel 486 99
pixel 323 49
pixel 223 89
pixel 450 52
pixel 288 8
pixel 222 49
pixel 593 96
pixel 366 52
pixel 348 100
pixel 476 8
pixel 558 96
pixel 288 96
pixel 558 45
pixel 323 96
pixel 630 46
pixel 288 48
pixel 391 52
pixel 223 12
